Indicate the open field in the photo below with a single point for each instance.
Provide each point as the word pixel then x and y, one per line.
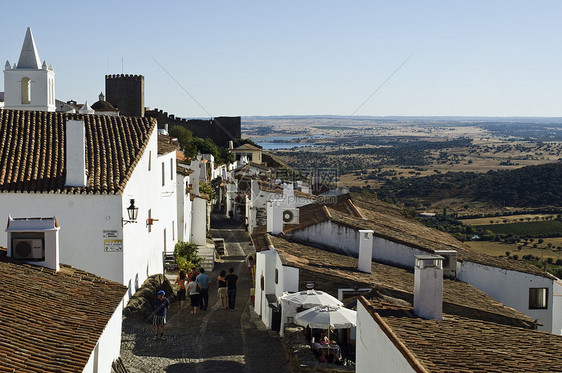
pixel 533 229
pixel 368 151
pixel 507 218
pixel 499 249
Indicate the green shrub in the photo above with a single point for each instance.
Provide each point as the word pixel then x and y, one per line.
pixel 186 256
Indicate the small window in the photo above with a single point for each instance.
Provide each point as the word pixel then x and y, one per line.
pixel 173 230
pixel 164 239
pixel 366 236
pixel 149 160
pixel 26 91
pixel 171 169
pixel 538 298
pixel 276 276
pixel 163 174
pixel 149 217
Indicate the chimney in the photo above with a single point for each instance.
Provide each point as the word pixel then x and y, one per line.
pixel 428 287
pixel 275 216
pixel 289 195
pixel 35 240
pixel 365 250
pixel 76 154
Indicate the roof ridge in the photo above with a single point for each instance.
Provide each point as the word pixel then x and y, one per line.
pixel 327 212
pixel 355 209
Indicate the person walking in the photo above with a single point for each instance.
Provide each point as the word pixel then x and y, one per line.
pixel 159 320
pixel 221 290
pixel 231 280
pixel 193 294
pixel 203 281
pixel 180 280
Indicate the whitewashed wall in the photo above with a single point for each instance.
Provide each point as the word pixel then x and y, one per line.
pixel 199 221
pixel 346 239
pixel 82 220
pixel 143 244
pixel 512 289
pixel 108 347
pixel 330 235
pixel 374 351
pixel 259 294
pixel 557 307
pixel 40 98
pixel 183 208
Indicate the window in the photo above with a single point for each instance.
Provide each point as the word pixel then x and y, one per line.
pixel 173 230
pixel 538 298
pixel 276 276
pixel 171 169
pixel 163 174
pixel 26 91
pixel 149 160
pixel 149 217
pixel 164 239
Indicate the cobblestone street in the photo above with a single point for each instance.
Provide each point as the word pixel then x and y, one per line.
pixel 215 340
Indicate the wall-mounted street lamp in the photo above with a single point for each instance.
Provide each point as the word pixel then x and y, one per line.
pixel 133 213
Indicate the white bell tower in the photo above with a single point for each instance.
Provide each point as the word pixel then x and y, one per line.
pixel 29 85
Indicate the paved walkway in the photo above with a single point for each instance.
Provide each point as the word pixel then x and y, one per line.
pixel 215 340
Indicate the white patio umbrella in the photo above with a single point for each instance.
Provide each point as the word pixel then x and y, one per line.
pixel 326 317
pixel 311 298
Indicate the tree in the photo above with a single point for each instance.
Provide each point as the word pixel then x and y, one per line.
pixel 185 139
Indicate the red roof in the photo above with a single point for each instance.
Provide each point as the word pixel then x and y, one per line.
pixel 32 151
pixel 51 321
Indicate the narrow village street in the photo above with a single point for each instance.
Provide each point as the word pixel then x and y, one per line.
pixel 215 340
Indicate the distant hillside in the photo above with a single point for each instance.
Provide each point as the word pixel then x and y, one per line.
pixel 532 186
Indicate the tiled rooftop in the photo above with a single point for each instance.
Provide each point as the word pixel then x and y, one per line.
pixel 392 223
pixel 167 144
pixel 459 344
pixel 32 151
pixel 249 147
pixel 459 297
pixel 51 321
pixel 278 188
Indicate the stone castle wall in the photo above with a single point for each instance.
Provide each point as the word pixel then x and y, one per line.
pixel 218 129
pixel 126 92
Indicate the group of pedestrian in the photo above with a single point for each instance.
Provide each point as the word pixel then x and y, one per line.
pixel 196 285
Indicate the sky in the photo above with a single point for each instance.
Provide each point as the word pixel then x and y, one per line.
pixel 379 58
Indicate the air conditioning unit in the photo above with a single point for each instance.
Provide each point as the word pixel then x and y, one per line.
pixel 27 248
pixel 449 262
pixel 291 216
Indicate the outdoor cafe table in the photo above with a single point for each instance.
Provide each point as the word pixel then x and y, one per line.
pixel 332 346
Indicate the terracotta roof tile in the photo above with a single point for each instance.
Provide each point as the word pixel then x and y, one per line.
pixel 51 321
pixel 247 147
pixel 465 345
pixel 459 297
pixel 32 151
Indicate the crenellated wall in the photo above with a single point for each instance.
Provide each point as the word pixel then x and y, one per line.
pixel 218 129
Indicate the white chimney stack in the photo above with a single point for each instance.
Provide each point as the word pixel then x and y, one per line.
pixel 275 216
pixel 428 287
pixel 365 250
pixel 35 240
pixel 76 154
pixel 289 194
